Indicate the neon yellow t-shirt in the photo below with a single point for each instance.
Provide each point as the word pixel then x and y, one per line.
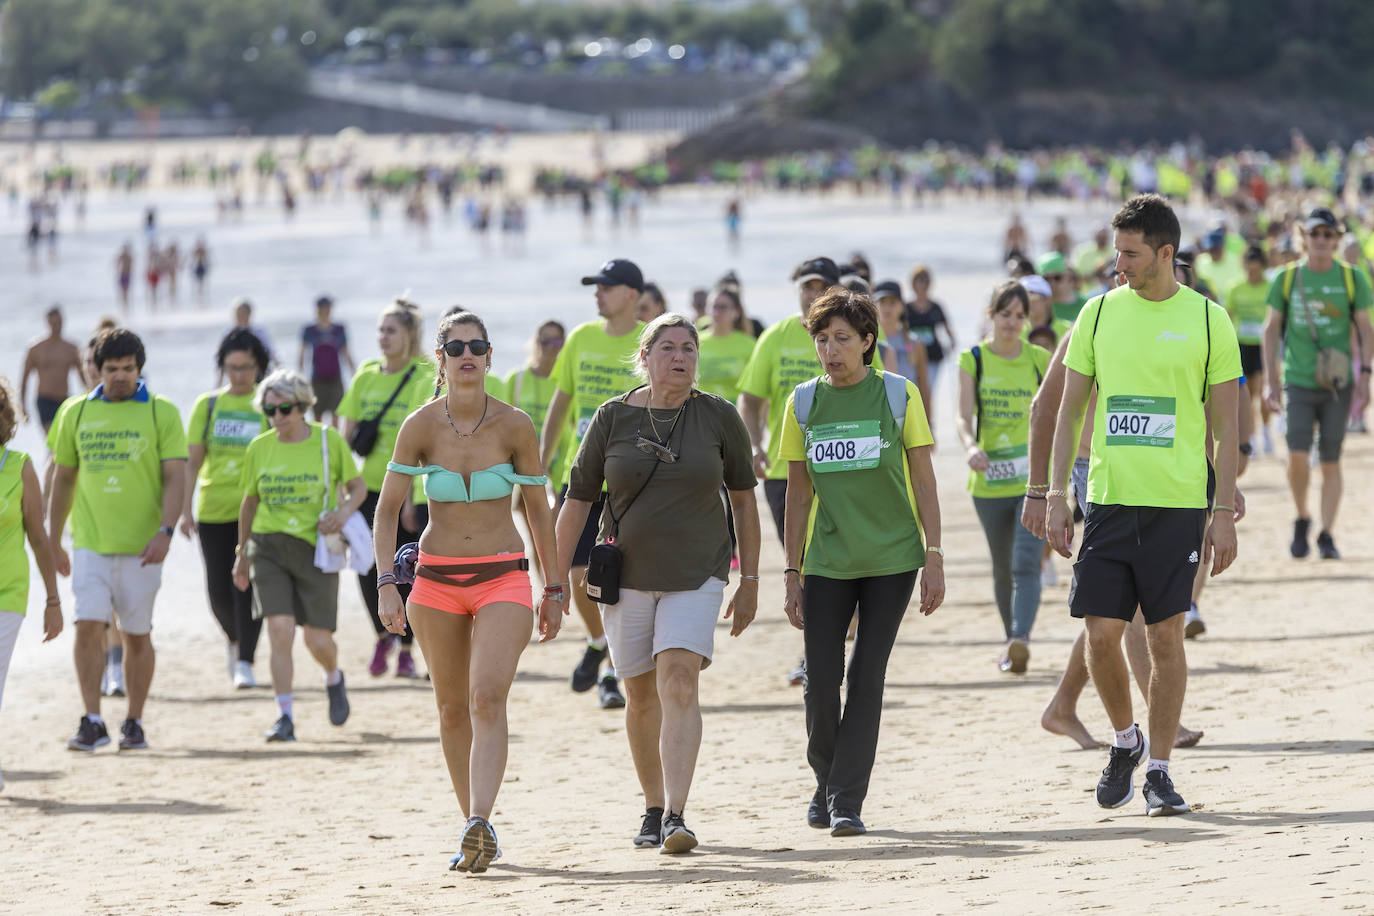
pixel 1148 358
pixel 365 397
pixel 1247 305
pixel 14 561
pixel 1006 390
pixel 721 362
pixel 235 424
pixel 288 479
pixel 594 367
pixel 118 449
pixel 783 358
pixel 533 395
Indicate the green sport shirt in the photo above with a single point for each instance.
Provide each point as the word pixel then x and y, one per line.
pixel 288 480
pixel 364 399
pixel 594 367
pixel 1323 296
pixel 1149 433
pixel 783 358
pixel 721 363
pixel 1006 390
pixel 235 424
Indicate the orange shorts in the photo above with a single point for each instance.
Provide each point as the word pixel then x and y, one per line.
pixel 513 587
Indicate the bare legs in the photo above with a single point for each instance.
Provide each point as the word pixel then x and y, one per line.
pixel 663 722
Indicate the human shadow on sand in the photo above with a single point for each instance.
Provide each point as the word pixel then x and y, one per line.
pixel 152 806
pixel 1282 748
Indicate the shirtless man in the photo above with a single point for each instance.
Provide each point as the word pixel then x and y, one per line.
pixel 124 272
pixel 54 359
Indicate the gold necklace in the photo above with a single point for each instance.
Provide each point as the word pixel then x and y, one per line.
pixel 650 411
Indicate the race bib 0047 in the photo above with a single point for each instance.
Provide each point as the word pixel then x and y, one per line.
pixel 849 446
pixel 1140 420
pixel 239 427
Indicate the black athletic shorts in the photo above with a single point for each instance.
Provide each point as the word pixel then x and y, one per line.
pixel 47 410
pixel 590 531
pixel 1251 360
pixel 1137 557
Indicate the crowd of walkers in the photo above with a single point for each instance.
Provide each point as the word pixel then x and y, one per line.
pixel 1106 382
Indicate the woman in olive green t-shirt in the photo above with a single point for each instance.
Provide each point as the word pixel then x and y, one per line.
pixel 876 521
pixel 222 424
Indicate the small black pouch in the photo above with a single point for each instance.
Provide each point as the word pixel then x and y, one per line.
pixel 603 574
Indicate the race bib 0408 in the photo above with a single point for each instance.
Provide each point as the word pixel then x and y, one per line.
pixel 849 446
pixel 1140 420
pixel 1008 465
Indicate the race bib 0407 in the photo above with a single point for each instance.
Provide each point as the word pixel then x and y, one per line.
pixel 1140 420
pixel 1008 465
pixel 849 446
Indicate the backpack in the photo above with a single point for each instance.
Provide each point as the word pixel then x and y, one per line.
pixel 805 396
pixel 977 384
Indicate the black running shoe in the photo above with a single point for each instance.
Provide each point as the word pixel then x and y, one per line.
pixel 611 697
pixel 651 830
pixel 846 823
pixel 1160 798
pixel 338 702
pixel 1300 548
pixel 585 674
pixel 1115 788
pixel 89 735
pixel 131 737
pixel 1326 547
pixel 282 730
pixel 676 837
pixel 818 812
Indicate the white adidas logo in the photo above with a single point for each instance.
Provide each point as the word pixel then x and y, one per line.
pixel 1192 557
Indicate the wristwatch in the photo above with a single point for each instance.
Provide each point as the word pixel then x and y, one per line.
pixel 167 530
pixel 938 551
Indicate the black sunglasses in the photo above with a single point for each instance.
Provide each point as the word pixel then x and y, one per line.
pixel 284 409
pixel 477 347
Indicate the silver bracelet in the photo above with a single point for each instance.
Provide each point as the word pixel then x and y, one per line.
pixel 750 578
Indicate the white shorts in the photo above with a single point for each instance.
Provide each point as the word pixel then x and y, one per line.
pixel 103 582
pixel 644 624
pixel 10 622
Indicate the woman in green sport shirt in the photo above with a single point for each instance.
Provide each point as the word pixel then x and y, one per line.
pixel 402 368
pixel 222 424
pixel 21 516
pixel 865 510
pixel 726 346
pixel 994 426
pixel 531 388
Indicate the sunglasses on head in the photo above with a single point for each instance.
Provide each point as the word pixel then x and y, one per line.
pixel 477 347
pixel 284 409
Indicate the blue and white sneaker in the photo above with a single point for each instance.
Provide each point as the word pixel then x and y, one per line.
pixel 479 847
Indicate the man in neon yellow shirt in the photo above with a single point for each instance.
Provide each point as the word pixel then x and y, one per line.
pixel 1164 359
pixel 122 454
pixel 595 365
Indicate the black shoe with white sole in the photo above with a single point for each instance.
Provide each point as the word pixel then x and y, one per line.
pixel 651 829
pixel 818 812
pixel 1115 788
pixel 846 823
pixel 676 837
pixel 1161 799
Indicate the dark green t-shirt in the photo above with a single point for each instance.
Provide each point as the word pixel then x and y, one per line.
pixel 674 536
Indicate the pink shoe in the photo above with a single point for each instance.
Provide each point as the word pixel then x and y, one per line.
pixel 379 656
pixel 405 664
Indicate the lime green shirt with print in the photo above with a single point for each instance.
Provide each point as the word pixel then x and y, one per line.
pixel 1152 366
pixel 594 367
pixel 783 358
pixel 14 561
pixel 288 480
pixel 721 362
pixel 225 437
pixel 367 393
pixel 1005 392
pixel 1324 298
pixel 117 449
pixel 1248 306
pixel 864 521
pixel 533 394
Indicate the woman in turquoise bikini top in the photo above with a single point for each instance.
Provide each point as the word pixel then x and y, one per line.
pixel 472 451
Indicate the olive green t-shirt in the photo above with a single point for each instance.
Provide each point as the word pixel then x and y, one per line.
pixel 673 537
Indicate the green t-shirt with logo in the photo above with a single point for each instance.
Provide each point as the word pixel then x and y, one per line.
pixel 1248 306
pixel 1069 311
pixel 367 393
pixel 117 449
pixel 1006 389
pixel 14 561
pixel 1152 367
pixel 235 424
pixel 864 521
pixel 288 480
pixel 721 362
pixel 533 395
pixel 783 358
pixel 1323 296
pixel 594 367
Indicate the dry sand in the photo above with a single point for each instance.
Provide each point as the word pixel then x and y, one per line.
pixel 972 804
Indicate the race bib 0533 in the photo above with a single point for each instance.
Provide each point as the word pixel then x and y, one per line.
pixel 1008 465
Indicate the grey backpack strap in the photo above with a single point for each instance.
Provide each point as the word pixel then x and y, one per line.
pixel 896 396
pixel 802 398
pixel 209 420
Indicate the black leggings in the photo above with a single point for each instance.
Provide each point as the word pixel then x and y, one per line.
pixel 232 608
pixel 841 746
pixel 367 582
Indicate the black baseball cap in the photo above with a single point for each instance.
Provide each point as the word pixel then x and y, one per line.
pixel 1321 216
pixel 617 272
pixel 817 269
pixel 887 288
pixel 323 301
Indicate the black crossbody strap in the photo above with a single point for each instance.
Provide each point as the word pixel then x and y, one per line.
pixel 405 379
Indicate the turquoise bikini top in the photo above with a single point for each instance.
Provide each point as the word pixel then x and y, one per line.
pixel 445 486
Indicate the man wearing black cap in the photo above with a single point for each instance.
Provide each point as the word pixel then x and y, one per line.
pixel 1313 305
pixel 595 365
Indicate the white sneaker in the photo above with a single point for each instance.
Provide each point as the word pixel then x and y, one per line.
pixel 231 653
pixel 1193 627
pixel 243 676
pixel 112 685
pixel 1267 441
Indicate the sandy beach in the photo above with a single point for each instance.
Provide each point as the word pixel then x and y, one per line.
pixel 972 804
